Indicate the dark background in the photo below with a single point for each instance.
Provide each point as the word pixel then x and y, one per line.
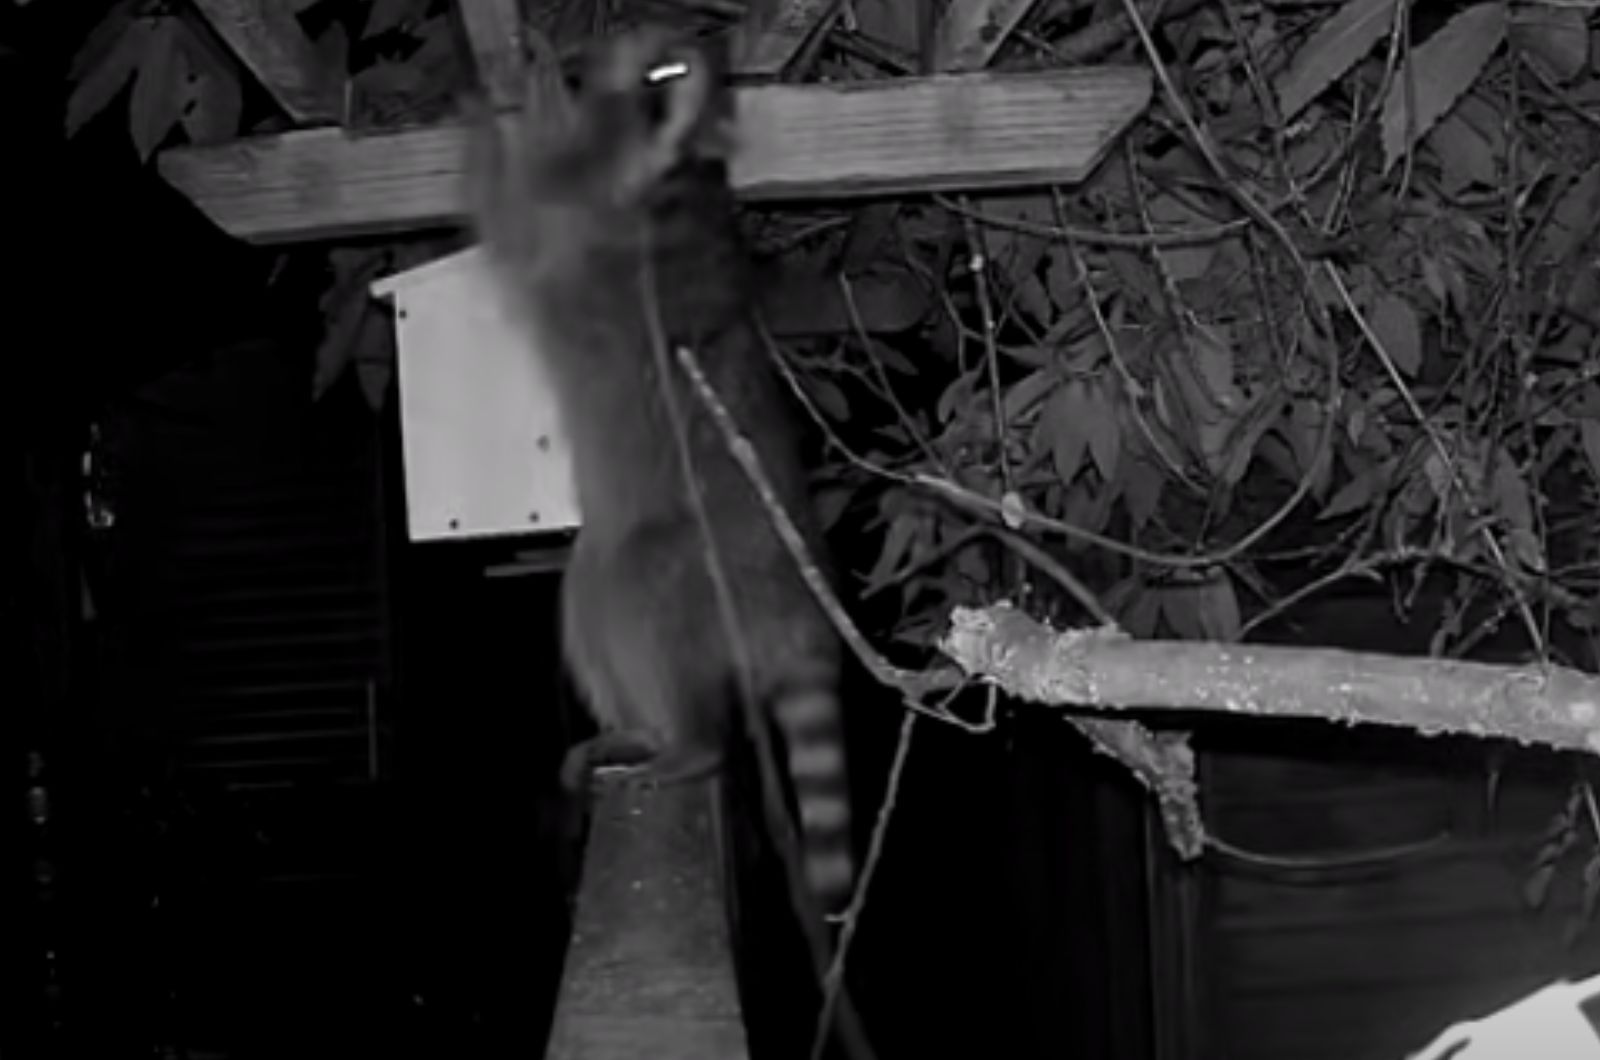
pixel 280 783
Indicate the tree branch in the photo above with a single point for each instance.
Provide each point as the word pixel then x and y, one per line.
pixel 1103 668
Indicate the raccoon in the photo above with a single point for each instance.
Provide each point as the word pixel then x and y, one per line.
pixel 619 183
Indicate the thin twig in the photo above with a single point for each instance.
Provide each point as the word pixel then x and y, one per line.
pixel 783 827
pixel 912 684
pixel 978 265
pixel 833 982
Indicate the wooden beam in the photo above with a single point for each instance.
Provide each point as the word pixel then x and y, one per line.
pixel 814 141
pixel 971 31
pixel 774 32
pixel 649 970
pixel 494 33
pixel 268 39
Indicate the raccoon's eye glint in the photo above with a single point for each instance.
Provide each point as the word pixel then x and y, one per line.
pixel 657 89
pixel 670 70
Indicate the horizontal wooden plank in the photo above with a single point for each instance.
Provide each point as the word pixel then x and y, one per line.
pixel 815 141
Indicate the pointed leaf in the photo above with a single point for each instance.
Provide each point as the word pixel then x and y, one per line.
pixel 385 15
pixel 955 396
pixel 1134 277
pixel 1141 482
pixel 890 300
pixel 1086 505
pixel 1104 430
pixel 375 360
pixel 1358 492
pixel 1217 608
pixel 1015 254
pixel 972 563
pixel 1433 279
pixel 892 358
pixel 1062 279
pixel 1591 444
pixel 1183 262
pixel 1242 443
pixel 1179 605
pixel 1336 46
pixel 157 102
pixel 1141 614
pixel 1024 394
pixel 213 98
pixel 825 393
pixel 1276 454
pixel 1514 503
pixel 374 377
pixel 1536 889
pixel 1064 426
pixel 338 346
pixel 1210 400
pixel 1032 298
pixel 898 542
pixel 104 64
pixel 105 38
pixel 830 502
pixel 1465 154
pixel 1556 36
pixel 1214 349
pixel 347 310
pixel 1440 70
pixel 1571 221
pixel 1303 429
pixel 1394 322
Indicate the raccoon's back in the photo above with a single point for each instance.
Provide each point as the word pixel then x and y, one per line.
pixel 606 366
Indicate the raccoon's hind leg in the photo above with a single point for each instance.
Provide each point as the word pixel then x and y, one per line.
pixel 651 669
pixel 586 635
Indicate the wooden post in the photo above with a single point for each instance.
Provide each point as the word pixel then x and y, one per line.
pixel 649 968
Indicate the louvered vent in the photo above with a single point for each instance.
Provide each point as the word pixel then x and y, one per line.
pixel 277 631
pixel 256 537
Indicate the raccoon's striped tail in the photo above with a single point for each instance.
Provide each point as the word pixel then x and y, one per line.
pixel 824 880
pixel 809 721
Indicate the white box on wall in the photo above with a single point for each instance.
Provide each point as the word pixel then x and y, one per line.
pixel 483 448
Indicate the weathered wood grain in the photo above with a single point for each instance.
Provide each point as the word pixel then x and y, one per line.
pixel 814 141
pixel 266 37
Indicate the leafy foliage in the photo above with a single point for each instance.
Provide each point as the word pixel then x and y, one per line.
pixel 1253 356
pixel 180 84
pixel 1327 312
pixel 181 81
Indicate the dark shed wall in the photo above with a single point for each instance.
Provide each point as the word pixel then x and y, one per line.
pixel 1370 962
pixel 251 532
